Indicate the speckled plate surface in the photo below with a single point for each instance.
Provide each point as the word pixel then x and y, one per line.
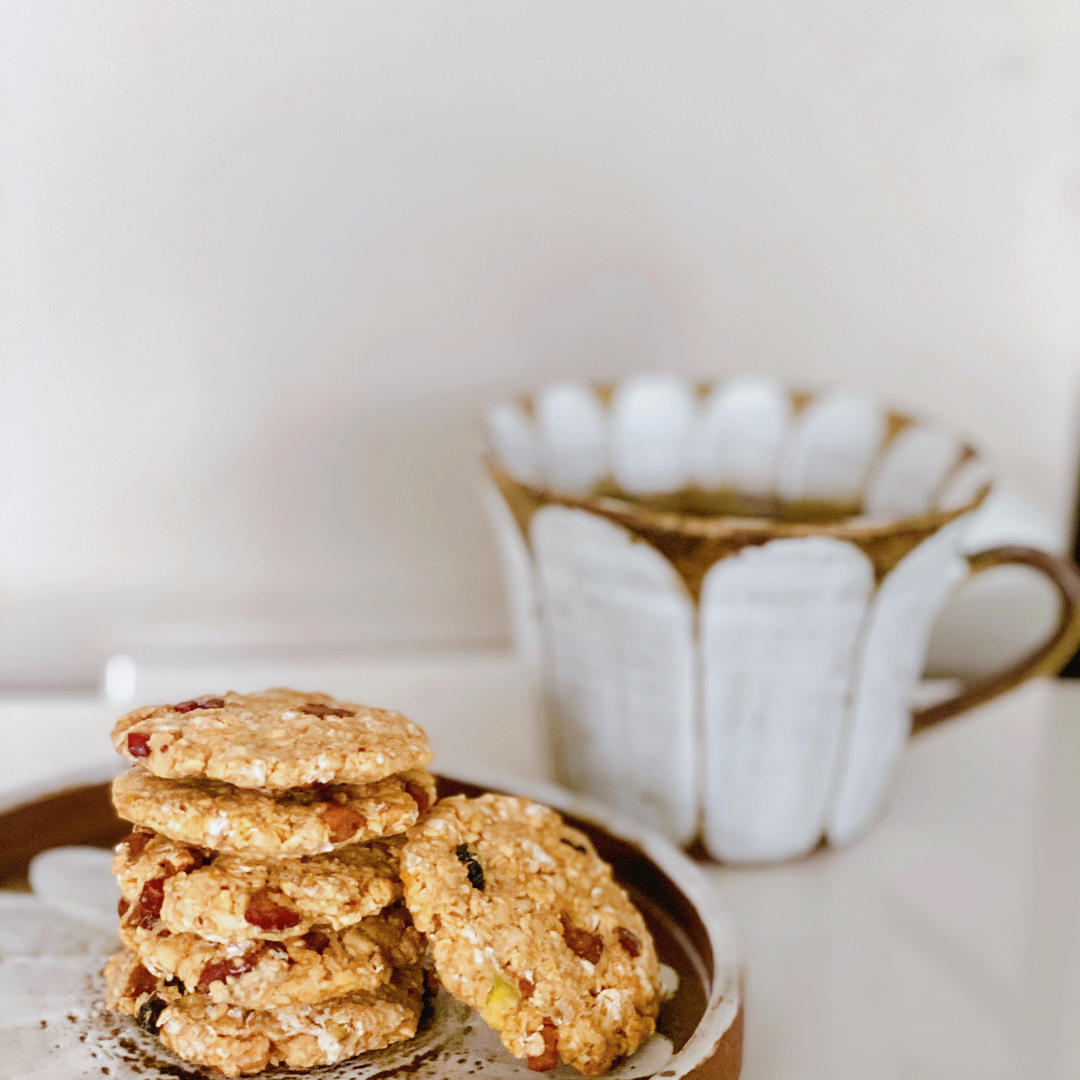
pixel 54 940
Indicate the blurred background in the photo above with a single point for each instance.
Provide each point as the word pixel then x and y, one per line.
pixel 265 263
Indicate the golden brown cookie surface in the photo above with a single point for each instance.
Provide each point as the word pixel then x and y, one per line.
pixel 238 1041
pixel 232 898
pixel 294 971
pixel 285 824
pixel 526 923
pixel 275 739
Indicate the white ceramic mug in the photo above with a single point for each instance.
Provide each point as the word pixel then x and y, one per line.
pixel 731 588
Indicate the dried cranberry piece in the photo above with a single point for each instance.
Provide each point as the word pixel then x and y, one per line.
pixel 199 857
pixel 315 709
pixel 148 906
pixel 628 940
pixel 341 821
pixel 121 907
pixel 266 911
pixel 147 1016
pixel 419 796
pixel 526 986
pixel 199 703
pixel 582 943
pixel 135 843
pixel 141 982
pixel 548 1058
pixel 318 940
pixel 220 970
pixel 138 744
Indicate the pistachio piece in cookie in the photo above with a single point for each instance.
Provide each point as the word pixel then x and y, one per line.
pixel 273 740
pixel 526 923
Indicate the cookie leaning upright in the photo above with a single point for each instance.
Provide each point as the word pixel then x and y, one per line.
pixel 274 740
pixel 526 923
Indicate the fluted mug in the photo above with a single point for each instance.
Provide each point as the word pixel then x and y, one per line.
pixel 730 589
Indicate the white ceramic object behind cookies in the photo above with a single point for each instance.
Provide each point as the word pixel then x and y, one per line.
pixel 762 707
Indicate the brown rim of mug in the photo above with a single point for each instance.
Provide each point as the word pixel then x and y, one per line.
pixel 718 526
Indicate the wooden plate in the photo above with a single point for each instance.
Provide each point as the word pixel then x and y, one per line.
pixel 703 1020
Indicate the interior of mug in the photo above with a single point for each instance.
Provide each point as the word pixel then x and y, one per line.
pixel 744 446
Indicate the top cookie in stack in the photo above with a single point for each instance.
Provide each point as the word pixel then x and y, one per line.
pixel 260 912
pixel 278 773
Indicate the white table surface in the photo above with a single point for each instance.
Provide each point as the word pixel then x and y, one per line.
pixel 946 944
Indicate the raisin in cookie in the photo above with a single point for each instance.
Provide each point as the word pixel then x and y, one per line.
pixel 526 923
pixel 238 1041
pixel 274 739
pixel 234 898
pixel 269 974
pixel 285 824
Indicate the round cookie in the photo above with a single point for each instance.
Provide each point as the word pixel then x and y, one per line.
pixel 237 1041
pixel 231 898
pixel 526 924
pixel 269 974
pixel 287 824
pixel 275 739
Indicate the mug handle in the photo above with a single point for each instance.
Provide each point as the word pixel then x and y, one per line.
pixel 1048 659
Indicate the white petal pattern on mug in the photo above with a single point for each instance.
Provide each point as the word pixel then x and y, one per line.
pixel 967 479
pixel 620 633
pixel 518 574
pixel 513 441
pixel 891 661
pixel 571 428
pixel 831 447
pixel 652 426
pixel 911 470
pixel 779 630
pixel 740 431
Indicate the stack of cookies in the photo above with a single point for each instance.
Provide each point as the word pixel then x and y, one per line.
pixel 261 911
pixel 526 923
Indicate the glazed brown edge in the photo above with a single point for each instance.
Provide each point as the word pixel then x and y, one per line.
pixel 725 1062
pixel 703 527
pixel 80 814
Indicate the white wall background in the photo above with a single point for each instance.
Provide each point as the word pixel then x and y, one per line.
pixel 263 263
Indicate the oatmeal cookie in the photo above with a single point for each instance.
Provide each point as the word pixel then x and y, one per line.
pixel 238 1041
pixel 526 924
pixel 275 739
pixel 269 974
pixel 285 824
pixel 230 898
